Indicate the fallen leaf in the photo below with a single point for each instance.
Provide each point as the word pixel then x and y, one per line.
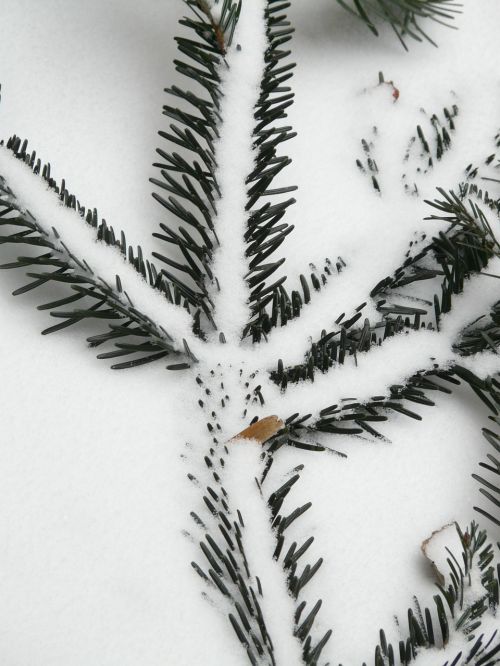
pixel 262 430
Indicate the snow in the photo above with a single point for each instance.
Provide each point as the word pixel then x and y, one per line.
pixel 93 489
pixel 93 560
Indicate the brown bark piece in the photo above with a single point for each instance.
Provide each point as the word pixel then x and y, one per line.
pixel 423 547
pixel 262 430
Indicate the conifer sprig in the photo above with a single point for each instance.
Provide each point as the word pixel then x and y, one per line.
pixel 225 569
pixel 104 232
pixel 490 486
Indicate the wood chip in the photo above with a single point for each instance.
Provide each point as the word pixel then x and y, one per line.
pixel 424 546
pixel 261 431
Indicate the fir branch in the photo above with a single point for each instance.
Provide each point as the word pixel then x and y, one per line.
pixel 227 569
pixel 429 145
pixel 223 27
pixel 350 416
pixel 194 180
pixel 491 490
pixel 452 611
pixel 464 250
pixel 291 557
pixel 287 306
pixel 266 228
pixel 367 165
pixel 481 335
pixel 193 191
pixel 97 299
pixel 104 232
pixel 404 16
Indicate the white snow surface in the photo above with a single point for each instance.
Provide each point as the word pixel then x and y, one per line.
pixel 94 567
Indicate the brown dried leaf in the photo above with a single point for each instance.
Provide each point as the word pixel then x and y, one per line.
pixel 262 430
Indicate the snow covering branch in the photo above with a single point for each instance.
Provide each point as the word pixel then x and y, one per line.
pixel 371 373
pixel 460 627
pixel 235 159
